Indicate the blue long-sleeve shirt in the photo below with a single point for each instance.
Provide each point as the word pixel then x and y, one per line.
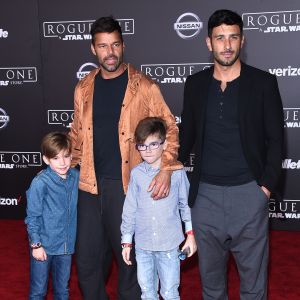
pixel 52 211
pixel 156 224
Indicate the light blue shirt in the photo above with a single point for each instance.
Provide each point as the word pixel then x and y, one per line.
pixel 156 224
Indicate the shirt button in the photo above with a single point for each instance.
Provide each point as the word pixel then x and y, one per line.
pixel 153 218
pixel 221 117
pixel 126 161
pixel 123 133
pixel 154 233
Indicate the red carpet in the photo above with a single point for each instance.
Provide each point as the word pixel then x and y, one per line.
pixel 284 282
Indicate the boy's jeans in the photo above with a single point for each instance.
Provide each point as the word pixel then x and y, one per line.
pixel 60 266
pixel 162 265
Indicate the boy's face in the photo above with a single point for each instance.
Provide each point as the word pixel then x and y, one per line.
pixel 60 163
pixel 150 155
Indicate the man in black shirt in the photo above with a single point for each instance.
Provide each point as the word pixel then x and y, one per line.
pixel 233 117
pixel 108 104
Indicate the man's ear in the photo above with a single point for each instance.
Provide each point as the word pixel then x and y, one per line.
pixel 93 49
pixel 208 43
pixel 242 41
pixel 46 160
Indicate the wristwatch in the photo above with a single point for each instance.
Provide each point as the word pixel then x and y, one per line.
pixel 36 245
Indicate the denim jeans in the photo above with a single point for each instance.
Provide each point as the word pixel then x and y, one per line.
pixel 60 267
pixel 158 265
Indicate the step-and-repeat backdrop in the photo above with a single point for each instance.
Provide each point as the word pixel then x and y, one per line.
pixel 45 51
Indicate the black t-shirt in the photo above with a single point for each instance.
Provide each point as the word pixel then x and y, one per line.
pixel 223 161
pixel 107 102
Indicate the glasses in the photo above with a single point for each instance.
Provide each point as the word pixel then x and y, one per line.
pixel 151 146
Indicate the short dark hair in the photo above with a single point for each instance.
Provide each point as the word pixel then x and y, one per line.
pixel 105 24
pixel 224 16
pixel 150 126
pixel 54 142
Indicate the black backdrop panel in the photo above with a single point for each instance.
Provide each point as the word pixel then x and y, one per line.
pixel 45 50
pixel 21 104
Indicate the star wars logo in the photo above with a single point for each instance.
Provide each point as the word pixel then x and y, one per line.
pixel 172 73
pixel 19 160
pixel 61 117
pixel 291 117
pixel 7 201
pixel 79 30
pixel 286 209
pixel 272 22
pixel 17 75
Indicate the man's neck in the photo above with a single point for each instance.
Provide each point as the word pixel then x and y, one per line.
pixel 227 73
pixel 110 75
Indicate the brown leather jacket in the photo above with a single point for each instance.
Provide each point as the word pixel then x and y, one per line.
pixel 142 99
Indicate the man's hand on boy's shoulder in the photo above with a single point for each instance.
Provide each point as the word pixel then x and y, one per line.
pixel 160 185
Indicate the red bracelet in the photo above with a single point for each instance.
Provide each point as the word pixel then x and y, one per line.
pixel 190 232
pixel 126 245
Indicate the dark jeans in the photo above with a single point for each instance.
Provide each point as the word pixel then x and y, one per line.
pixel 60 266
pixel 98 236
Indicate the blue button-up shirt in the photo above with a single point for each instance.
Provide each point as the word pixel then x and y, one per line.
pixel 156 224
pixel 52 211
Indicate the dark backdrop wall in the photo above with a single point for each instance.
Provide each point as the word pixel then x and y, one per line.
pixel 45 50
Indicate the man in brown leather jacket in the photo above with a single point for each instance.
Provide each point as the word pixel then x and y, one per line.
pixel 109 102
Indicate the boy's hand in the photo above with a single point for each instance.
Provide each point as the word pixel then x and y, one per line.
pixel 39 254
pixel 190 243
pixel 126 255
pixel 161 184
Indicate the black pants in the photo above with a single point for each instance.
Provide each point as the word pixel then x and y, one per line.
pixel 98 235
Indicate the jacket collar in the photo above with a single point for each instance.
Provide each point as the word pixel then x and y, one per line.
pixel 134 77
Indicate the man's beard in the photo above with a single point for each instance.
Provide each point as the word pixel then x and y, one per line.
pixel 226 63
pixel 112 68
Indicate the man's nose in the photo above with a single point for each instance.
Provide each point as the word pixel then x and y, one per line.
pixel 110 49
pixel 227 44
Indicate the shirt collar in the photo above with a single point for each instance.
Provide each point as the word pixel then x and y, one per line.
pixel 54 176
pixel 149 169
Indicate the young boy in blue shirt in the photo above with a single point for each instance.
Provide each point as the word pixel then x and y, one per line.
pixel 52 217
pixel 156 224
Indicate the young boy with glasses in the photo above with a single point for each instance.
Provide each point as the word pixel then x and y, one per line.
pixel 51 218
pixel 156 224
